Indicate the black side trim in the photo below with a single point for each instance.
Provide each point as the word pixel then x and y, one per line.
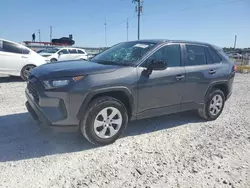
pixel 91 95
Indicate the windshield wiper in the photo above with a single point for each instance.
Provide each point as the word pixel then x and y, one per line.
pixel 104 62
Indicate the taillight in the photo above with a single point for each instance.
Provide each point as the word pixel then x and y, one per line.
pixel 234 68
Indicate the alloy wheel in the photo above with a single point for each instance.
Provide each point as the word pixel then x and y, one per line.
pixel 107 122
pixel 27 70
pixel 216 105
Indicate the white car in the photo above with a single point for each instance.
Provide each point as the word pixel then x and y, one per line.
pixel 17 59
pixel 65 54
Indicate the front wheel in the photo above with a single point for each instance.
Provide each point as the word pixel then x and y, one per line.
pixel 213 106
pixel 26 71
pixel 105 121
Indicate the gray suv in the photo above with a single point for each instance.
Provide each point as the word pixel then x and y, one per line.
pixel 130 81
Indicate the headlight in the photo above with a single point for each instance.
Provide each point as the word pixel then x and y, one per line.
pixel 52 84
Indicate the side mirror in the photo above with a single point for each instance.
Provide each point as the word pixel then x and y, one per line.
pixel 157 65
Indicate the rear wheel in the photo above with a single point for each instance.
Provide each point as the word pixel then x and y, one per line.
pixel 105 121
pixel 26 71
pixel 214 105
pixel 53 60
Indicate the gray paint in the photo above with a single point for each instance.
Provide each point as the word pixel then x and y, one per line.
pixel 161 92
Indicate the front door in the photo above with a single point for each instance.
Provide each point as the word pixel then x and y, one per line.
pixel 160 92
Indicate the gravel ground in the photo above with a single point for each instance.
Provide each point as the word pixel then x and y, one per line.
pixel 171 151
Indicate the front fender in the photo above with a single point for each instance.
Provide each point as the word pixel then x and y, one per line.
pixel 96 92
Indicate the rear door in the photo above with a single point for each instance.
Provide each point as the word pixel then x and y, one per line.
pixel 202 66
pixel 73 54
pixel 12 58
pixel 160 92
pixel 63 55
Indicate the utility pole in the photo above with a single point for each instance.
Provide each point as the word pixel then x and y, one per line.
pixel 50 33
pixel 39 35
pixel 105 24
pixel 127 29
pixel 139 8
pixel 235 39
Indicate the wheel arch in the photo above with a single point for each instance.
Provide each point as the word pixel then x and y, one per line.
pixel 222 85
pixel 53 58
pixel 120 93
pixel 29 64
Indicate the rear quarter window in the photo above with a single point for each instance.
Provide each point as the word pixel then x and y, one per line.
pixel 25 51
pixel 81 51
pixel 212 56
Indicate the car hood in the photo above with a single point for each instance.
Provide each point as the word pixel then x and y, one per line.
pixel 71 68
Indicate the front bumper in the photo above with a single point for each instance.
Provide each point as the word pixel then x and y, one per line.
pixel 57 109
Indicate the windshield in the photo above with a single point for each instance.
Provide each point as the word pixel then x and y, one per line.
pixel 49 50
pixel 124 53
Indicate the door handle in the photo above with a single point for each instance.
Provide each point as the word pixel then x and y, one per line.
pixel 212 72
pixel 180 77
pixel 24 57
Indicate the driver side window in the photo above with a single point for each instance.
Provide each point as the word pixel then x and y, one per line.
pixel 171 54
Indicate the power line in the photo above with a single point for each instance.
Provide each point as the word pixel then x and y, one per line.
pixel 201 7
pixel 214 4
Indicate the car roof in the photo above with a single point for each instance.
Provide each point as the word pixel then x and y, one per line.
pixel 159 41
pixel 11 41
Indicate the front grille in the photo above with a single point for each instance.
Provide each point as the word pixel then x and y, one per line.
pixel 32 90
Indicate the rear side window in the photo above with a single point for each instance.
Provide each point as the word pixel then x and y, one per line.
pixel 1 45
pixel 196 55
pixel 64 51
pixel 72 51
pixel 212 56
pixel 11 48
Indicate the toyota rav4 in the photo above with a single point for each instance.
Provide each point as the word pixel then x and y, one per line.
pixel 131 81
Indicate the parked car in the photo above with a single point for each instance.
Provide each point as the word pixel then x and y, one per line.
pixel 64 54
pixel 235 55
pixel 131 81
pixel 18 60
pixel 63 40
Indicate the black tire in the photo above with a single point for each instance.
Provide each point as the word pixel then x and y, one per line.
pixel 53 60
pixel 92 111
pixel 25 71
pixel 205 112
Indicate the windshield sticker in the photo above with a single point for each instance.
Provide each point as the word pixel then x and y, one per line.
pixel 141 45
